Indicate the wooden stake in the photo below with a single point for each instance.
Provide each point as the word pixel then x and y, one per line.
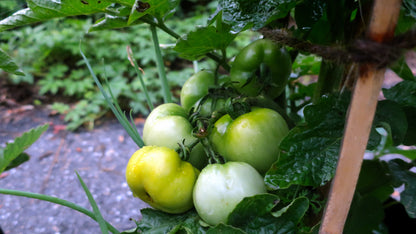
pixel 359 121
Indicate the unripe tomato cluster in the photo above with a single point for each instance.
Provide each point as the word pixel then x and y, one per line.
pixel 247 144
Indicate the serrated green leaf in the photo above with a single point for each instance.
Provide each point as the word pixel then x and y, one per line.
pixel 251 207
pixel 401 173
pixel 20 144
pixel 403 93
pixel 242 15
pixel 7 64
pixel 225 229
pixel 40 10
pixel 160 9
pixel 155 221
pixel 203 40
pixel 253 214
pixel 23 157
pixel 309 153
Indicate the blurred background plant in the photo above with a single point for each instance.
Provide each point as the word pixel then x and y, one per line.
pixel 55 73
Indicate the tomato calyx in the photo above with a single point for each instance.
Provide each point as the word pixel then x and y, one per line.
pixel 184 150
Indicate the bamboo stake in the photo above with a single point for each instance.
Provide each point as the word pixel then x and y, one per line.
pixel 360 117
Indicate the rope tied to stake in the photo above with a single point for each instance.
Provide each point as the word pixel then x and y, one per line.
pixel 360 51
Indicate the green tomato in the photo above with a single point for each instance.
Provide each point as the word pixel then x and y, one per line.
pixel 160 178
pixel 220 187
pixel 253 137
pixel 261 67
pixel 167 125
pixel 208 106
pixel 195 88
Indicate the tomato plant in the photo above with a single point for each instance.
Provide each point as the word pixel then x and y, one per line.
pixel 282 112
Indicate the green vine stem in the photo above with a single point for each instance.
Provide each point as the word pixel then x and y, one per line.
pixel 59 202
pixel 167 95
pixel 329 80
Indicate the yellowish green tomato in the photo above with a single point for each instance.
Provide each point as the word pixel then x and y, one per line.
pixel 160 178
pixel 253 137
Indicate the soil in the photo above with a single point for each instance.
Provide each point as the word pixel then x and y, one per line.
pixel 99 156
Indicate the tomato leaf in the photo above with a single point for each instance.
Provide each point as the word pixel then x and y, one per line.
pixel 20 144
pixel 389 112
pixel 203 40
pixel 223 228
pixel 39 10
pixel 242 15
pixel 309 153
pixel 155 221
pixel 404 93
pixel 254 214
pixel 251 207
pixel 402 175
pixel 7 64
pixel 161 9
pixel 375 180
pixel 366 214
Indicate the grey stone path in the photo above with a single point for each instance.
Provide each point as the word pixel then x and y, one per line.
pixel 99 156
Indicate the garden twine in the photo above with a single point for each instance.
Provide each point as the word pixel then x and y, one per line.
pixel 359 51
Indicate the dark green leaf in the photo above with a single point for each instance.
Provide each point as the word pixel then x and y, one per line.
pixel 403 93
pixel 23 157
pixel 402 175
pixel 202 41
pixel 365 215
pixel 375 180
pixel 403 70
pixel 389 112
pixel 254 14
pixel 40 10
pixel 20 144
pixel 310 151
pixel 410 138
pixel 7 64
pixel 254 214
pixel 251 207
pixel 155 221
pixel 225 229
pixel 309 12
pixel 409 7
